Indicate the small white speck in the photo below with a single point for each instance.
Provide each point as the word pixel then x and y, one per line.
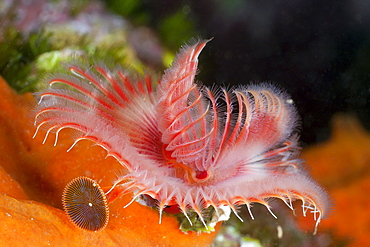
pixel 289 101
pixel 32 219
pixel 90 204
pixel 220 238
pixel 250 243
pixel 279 231
pixel 224 212
pixel 9 214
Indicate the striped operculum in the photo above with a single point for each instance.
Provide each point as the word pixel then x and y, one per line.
pixel 85 204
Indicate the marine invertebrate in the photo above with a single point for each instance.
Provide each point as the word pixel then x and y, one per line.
pixel 27 210
pixel 183 144
pixel 85 204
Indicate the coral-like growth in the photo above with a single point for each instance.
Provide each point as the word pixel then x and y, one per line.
pixel 342 163
pixel 184 144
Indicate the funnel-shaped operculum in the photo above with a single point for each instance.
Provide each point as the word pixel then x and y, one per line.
pixel 85 204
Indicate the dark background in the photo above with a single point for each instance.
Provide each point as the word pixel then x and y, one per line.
pixel 319 51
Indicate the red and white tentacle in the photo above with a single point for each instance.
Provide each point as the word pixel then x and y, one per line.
pixel 244 138
pixel 241 141
pixel 114 109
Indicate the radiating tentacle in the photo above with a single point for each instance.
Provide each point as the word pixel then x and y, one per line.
pixel 114 107
pixel 182 143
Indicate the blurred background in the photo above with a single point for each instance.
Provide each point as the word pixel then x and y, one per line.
pixel 319 51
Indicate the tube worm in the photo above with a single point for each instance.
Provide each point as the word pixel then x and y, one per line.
pixel 183 144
